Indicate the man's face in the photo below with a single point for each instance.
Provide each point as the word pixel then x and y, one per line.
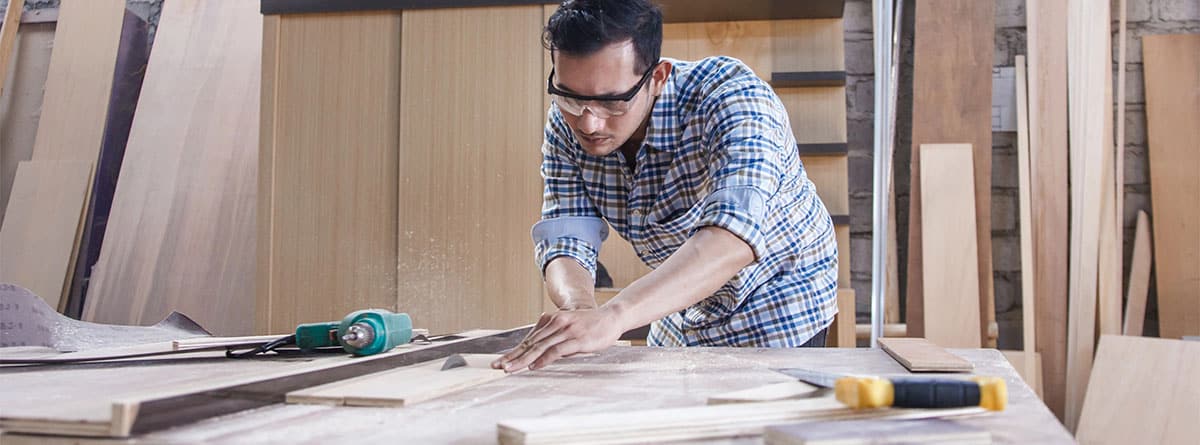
pixel 608 72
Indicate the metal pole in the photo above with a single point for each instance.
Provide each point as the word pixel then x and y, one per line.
pixel 886 40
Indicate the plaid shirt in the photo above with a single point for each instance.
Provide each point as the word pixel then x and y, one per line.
pixel 719 151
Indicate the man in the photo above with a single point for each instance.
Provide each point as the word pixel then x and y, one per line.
pixel 695 164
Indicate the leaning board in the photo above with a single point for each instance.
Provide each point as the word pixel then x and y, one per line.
pixel 1142 390
pixel 951 305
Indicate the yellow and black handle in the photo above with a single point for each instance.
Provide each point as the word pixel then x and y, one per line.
pixel 870 392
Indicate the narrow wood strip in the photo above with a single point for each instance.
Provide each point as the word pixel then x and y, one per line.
pixel 808 79
pixel 8 38
pixel 921 355
pixel 1028 267
pixel 1139 277
pixel 841 332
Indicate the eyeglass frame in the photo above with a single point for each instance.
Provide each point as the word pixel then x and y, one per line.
pixel 623 97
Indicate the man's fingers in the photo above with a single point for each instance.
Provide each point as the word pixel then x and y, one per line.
pixel 537 331
pixel 560 350
pixel 534 352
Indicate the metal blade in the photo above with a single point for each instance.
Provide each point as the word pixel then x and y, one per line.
pixel 818 378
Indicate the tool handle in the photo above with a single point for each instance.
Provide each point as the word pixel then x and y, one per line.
pixel 859 392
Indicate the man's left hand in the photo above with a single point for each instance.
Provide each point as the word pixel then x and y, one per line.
pixel 562 334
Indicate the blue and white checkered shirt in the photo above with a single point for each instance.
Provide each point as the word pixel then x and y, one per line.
pixel 719 151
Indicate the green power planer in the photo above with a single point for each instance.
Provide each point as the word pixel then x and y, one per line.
pixel 364 332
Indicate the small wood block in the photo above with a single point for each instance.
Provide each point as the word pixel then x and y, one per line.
pixel 808 79
pixel 919 355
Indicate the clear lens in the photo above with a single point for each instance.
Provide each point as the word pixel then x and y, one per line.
pixel 602 109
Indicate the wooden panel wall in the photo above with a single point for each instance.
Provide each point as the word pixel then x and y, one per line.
pixel 181 230
pixel 469 188
pixel 328 186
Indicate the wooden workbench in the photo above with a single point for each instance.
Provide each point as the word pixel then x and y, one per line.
pixel 620 379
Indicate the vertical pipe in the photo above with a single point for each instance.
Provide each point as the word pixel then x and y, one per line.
pixel 882 14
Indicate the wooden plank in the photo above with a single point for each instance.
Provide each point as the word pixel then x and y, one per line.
pixel 841 332
pixel 842 233
pixel 40 230
pixel 21 103
pixel 1028 267
pixel 1139 277
pixel 8 37
pixel 1113 316
pixel 773 392
pixel 1142 390
pixel 830 175
pixel 692 423
pixel 181 231
pixel 1089 68
pixel 464 201
pixel 866 432
pixel 1172 65
pixel 329 215
pixel 79 82
pixel 1108 272
pixel 1031 374
pixel 951 305
pixel 403 386
pixel 209 342
pixel 921 355
pixel 952 74
pixel 1047 36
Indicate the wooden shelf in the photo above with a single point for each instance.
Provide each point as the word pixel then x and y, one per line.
pixel 806 79
pixel 841 220
pixel 674 11
pixel 823 149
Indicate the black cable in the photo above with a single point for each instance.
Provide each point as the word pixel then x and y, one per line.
pixel 263 348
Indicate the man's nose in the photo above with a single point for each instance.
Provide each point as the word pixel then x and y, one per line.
pixel 589 123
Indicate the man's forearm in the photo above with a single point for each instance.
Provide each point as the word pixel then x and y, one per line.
pixel 569 285
pixel 704 263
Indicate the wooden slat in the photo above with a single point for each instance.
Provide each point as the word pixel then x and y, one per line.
pixel 1028 267
pixel 38 236
pixel 951 305
pixel 841 332
pixel 402 386
pixel 470 188
pixel 829 175
pixel 1172 65
pixel 1108 272
pixel 952 75
pixel 8 37
pixel 1142 390
pixel 329 153
pixel 21 103
pixel 842 233
pixel 181 231
pixel 1089 67
pixel 1139 277
pixel 1046 25
pixel 921 355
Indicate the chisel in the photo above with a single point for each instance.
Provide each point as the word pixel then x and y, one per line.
pixel 909 392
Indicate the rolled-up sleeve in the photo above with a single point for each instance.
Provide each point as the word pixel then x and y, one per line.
pixel 570 225
pixel 746 131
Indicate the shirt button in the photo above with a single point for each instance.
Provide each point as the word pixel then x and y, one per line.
pixel 636 212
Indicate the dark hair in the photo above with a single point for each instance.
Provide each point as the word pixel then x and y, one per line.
pixel 582 27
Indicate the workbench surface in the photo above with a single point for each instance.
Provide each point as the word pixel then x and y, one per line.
pixel 620 379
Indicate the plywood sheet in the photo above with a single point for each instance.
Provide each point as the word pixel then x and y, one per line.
pixel 950 289
pixel 1047 36
pixel 329 180
pixel 841 333
pixel 181 231
pixel 21 103
pixel 1172 65
pixel 403 386
pixel 921 355
pixel 1139 277
pixel 1142 390
pixel 952 84
pixel 37 239
pixel 469 187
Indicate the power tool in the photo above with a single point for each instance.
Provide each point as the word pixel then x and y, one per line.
pixel 365 332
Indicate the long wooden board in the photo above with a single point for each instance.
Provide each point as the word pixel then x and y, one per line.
pixel 1172 65
pixel 1142 390
pixel 951 307
pixel 1139 277
pixel 328 168
pixel 8 37
pixel 1088 65
pixel 181 231
pixel 920 355
pixel 952 75
pixel 403 386
pixel 1028 267
pixel 21 103
pixel 1046 22
pixel 841 332
pixel 469 187
pixel 38 235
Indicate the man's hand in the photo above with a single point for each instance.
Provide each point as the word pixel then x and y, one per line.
pixel 562 334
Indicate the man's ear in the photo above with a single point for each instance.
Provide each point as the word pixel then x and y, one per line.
pixel 659 77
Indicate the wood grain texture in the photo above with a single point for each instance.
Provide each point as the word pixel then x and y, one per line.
pixel 921 355
pixel 79 82
pixel 21 103
pixel 8 37
pixel 1139 277
pixel 1172 65
pixel 38 236
pixel 469 188
pixel 181 231
pixel 1028 267
pixel 402 386
pixel 1142 390
pixel 951 305
pixel 841 332
pixel 1088 68
pixel 952 81
pixel 1108 272
pixel 329 177
pixel 1046 23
